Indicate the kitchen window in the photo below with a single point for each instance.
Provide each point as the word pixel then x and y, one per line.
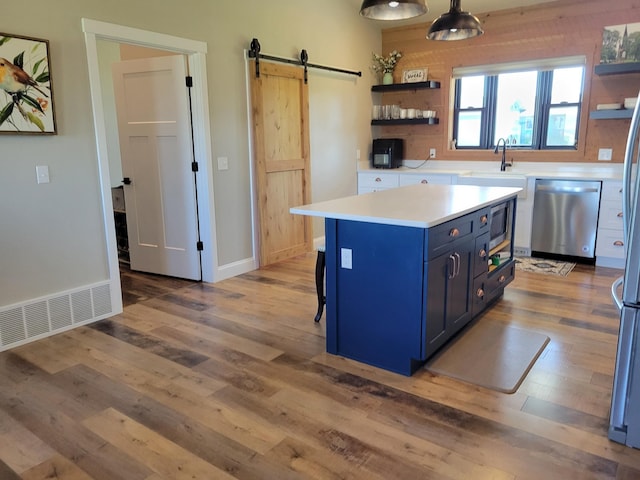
pixel 533 105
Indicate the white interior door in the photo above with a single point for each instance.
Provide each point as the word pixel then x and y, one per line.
pixel 154 124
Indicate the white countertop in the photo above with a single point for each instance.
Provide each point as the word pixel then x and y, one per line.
pixel 422 205
pixel 565 170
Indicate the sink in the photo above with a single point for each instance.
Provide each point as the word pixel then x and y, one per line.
pixel 496 179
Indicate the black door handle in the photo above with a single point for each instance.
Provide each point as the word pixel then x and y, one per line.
pixel 126 181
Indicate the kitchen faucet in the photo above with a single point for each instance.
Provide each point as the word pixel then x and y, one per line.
pixel 503 163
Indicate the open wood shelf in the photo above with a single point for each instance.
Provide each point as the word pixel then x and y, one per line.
pixel 610 114
pixel 407 121
pixel 617 68
pixel 396 87
pixel 499 247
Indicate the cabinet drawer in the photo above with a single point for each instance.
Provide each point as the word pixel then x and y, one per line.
pixel 500 279
pixel 412 179
pixel 442 236
pixel 610 214
pixel 377 180
pixel 610 243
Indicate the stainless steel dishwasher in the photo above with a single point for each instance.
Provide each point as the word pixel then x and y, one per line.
pixel 565 217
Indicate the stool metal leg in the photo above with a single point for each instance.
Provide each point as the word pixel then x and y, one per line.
pixel 320 264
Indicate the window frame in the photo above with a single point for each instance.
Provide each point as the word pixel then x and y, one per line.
pixel 543 105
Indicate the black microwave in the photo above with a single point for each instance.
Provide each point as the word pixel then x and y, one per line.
pixel 500 223
pixel 387 153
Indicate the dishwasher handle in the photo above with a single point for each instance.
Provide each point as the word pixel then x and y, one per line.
pixel 555 189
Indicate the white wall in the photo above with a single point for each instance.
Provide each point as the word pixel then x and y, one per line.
pixel 51 236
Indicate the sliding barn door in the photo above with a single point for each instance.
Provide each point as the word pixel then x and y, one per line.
pixel 280 106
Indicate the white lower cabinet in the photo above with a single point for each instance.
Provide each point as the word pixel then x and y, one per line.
pixel 610 235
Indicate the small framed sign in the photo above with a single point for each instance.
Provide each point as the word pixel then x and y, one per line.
pixel 415 75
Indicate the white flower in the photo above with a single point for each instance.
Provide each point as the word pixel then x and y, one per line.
pixel 385 64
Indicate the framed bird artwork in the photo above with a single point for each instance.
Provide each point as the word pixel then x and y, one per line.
pixel 26 93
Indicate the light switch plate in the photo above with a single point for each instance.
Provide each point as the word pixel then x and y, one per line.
pixel 42 174
pixel 346 258
pixel 223 163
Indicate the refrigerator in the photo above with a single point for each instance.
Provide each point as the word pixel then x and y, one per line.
pixel 624 421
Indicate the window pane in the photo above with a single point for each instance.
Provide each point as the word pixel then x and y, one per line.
pixel 515 107
pixel 567 85
pixel 561 131
pixel 469 129
pixel 472 92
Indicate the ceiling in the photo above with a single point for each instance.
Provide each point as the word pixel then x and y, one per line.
pixel 438 7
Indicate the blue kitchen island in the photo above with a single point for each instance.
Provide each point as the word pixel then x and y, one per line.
pixel 407 268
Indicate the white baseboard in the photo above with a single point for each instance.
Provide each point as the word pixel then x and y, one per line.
pixel 236 268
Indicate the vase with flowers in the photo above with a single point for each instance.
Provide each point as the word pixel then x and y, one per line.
pixel 386 65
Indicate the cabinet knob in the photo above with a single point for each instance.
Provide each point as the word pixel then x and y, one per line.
pixel 480 293
pixel 454 232
pixel 378 179
pixel 483 219
pixel 619 214
pixel 424 180
pixel 619 243
pixel 482 253
pixel 501 279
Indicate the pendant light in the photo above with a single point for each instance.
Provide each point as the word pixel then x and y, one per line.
pixel 393 10
pixel 455 25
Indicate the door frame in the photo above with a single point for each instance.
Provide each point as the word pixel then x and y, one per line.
pixel 196 56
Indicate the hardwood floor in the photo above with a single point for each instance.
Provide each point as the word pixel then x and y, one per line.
pixel 231 380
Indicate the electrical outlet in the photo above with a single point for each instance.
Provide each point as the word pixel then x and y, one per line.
pixel 432 153
pixel 345 258
pixel 604 154
pixel 358 154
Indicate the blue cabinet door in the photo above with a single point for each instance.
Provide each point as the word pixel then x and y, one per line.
pixel 447 294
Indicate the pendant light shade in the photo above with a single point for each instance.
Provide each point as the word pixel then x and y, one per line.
pixel 393 10
pixel 455 25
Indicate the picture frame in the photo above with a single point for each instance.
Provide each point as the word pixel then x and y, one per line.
pixel 621 43
pixel 26 90
pixel 414 75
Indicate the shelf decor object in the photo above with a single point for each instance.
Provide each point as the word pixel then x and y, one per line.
pixel 386 65
pixel 415 75
pixel 617 43
pixel 455 25
pixel 25 78
pixel 393 10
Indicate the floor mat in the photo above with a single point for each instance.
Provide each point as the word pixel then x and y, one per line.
pixel 543 265
pixel 490 355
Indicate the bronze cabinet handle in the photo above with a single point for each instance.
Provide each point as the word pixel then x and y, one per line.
pixel 378 179
pixel 480 293
pixel 483 219
pixel 620 215
pixel 502 279
pixel 482 253
pixel 424 180
pixel 619 243
pixel 454 232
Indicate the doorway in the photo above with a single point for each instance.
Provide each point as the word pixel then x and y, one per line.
pixel 196 54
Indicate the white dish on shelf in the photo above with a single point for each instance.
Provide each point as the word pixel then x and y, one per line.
pixel 609 106
pixel 630 103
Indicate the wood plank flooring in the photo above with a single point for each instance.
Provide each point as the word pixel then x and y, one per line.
pixel 231 380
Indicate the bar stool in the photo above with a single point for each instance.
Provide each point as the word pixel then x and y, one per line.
pixel 320 264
